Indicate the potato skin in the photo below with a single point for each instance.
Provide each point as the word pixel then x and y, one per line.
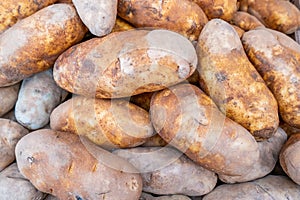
pixel 75 172
pixel 8 98
pixel 109 123
pixel 188 119
pixel 165 15
pixel 126 63
pixel 233 83
pixel 10 133
pixel 277 58
pixel 246 21
pixel 154 141
pixel 121 25
pixel 146 196
pixel 33 44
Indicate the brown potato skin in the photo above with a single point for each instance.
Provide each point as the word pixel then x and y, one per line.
pixel 188 119
pixel 12 11
pixel 8 98
pixel 33 44
pixel 277 58
pixel 108 123
pixel 290 159
pixel 154 141
pixel 146 196
pixel 290 130
pixel 238 30
pixel 121 25
pixel 245 21
pixel 75 172
pixel 164 14
pixel 142 100
pixel 233 83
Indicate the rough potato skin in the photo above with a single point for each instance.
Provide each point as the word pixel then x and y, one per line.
pixel 233 83
pixel 121 25
pixel 160 168
pixel 189 120
pixel 246 21
pixel 8 98
pixel 267 188
pixel 33 44
pixel 11 11
pixel 164 14
pixel 15 186
pixel 155 141
pixel 75 172
pixel 290 159
pixel 269 152
pixel 109 123
pixel 126 63
pixel 277 58
pixel 146 196
pixel 10 133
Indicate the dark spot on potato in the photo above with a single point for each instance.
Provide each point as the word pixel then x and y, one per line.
pixel 130 10
pixel 88 66
pixel 254 75
pixel 227 100
pixel 37 91
pixel 30 159
pixel 78 197
pixel 221 76
pixel 192 29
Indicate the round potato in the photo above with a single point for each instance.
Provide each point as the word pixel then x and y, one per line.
pixel 8 98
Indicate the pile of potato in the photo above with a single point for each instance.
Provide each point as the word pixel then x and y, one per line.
pixel 149 100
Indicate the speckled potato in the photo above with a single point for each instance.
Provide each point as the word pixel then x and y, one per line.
pixel 146 196
pixel 121 25
pixel 126 63
pixel 189 120
pixel 10 133
pixel 8 98
pixel 160 168
pixel 38 96
pixel 277 58
pixel 290 158
pixel 246 21
pixel 233 83
pixel 33 44
pixel 109 123
pixel 15 186
pixel 164 14
pixel 267 188
pixel 75 172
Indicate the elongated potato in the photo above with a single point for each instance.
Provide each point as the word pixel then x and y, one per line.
pixel 189 120
pixel 277 58
pixel 10 133
pixel 230 79
pixel 109 123
pixel 165 15
pixel 246 21
pixel 290 158
pixel 146 196
pixel 75 172
pixel 126 63
pixel 33 44
pixel 15 186
pixel 269 152
pixel 8 98
pixel 160 168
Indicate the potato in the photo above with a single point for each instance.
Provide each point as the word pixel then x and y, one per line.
pixel 290 130
pixel 33 44
pixel 154 141
pixel 109 123
pixel 238 30
pixel 14 186
pixel 223 9
pixel 246 21
pixel 146 196
pixel 75 172
pixel 269 153
pixel 8 98
pixel 290 158
pixel 142 100
pixel 230 79
pixel 270 187
pixel 11 11
pixel 121 25
pixel 189 120
pixel 10 115
pixel 126 63
pixel 160 168
pixel 38 96
pixel 98 15
pixel 277 58
pixel 165 15
pixel 10 133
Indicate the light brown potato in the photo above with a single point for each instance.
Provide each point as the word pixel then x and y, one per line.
pixel 160 168
pixel 154 141
pixel 33 44
pixel 15 186
pixel 233 83
pixel 277 58
pixel 146 196
pixel 290 158
pixel 189 120
pixel 126 63
pixel 121 25
pixel 165 15
pixel 75 172
pixel 246 21
pixel 10 133
pixel 8 98
pixel 238 30
pixel 270 187
pixel 98 15
pixel 109 123
pixel 269 152
pixel 38 96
